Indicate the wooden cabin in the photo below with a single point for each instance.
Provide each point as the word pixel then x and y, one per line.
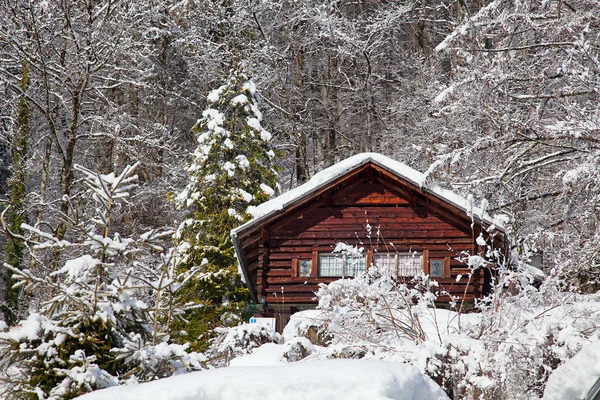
pixel 369 201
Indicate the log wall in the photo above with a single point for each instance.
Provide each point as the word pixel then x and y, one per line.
pixel 366 210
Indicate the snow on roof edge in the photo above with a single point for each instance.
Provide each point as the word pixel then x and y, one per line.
pixel 330 174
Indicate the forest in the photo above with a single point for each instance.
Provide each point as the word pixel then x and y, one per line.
pixel 134 135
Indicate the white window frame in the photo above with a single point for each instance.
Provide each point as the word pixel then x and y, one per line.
pixel 409 269
pixel 345 267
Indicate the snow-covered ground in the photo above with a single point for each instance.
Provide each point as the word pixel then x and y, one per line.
pixel 270 372
pixel 314 380
pixel 574 379
pixel 398 369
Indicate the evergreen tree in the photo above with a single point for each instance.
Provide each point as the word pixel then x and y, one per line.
pixel 96 329
pixel 231 171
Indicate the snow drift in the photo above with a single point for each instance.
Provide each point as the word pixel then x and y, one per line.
pixel 315 380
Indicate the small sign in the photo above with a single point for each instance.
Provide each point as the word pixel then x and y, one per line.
pixel 268 323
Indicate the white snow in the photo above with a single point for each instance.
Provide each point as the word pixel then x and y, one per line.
pixel 338 170
pixel 230 168
pixel 250 86
pixel 345 248
pixel 268 355
pixel 239 99
pixel 315 380
pixel 575 378
pixel 214 117
pixel 267 189
pixel 243 162
pixel 301 321
pixel 254 124
pixel 443 95
pixel 215 95
pixel 245 195
pixel 265 135
pixel 78 266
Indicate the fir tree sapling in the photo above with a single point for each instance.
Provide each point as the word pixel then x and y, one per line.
pixel 94 331
pixel 231 170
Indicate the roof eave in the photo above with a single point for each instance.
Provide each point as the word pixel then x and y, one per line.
pixel 300 199
pixel 248 225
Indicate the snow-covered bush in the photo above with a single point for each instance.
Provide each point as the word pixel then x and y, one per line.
pixel 517 343
pixel 376 307
pixel 95 329
pixel 507 350
pixel 297 349
pixel 310 324
pixel 239 340
pixel 575 378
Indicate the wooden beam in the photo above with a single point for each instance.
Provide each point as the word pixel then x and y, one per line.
pixel 404 193
pixel 370 175
pixel 328 199
pixel 314 264
pixel 295 215
pixel 463 223
pixel 477 283
pixel 446 272
pixel 264 234
pixel 299 207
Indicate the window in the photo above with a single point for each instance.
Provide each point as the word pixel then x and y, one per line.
pixel 304 269
pixel 399 264
pixel 436 268
pixel 341 265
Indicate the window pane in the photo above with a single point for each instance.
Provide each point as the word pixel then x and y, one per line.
pixel 387 263
pixel 304 269
pixel 355 265
pixel 331 265
pixel 436 268
pixel 409 264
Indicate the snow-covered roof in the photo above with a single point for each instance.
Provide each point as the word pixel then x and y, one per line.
pixel 331 174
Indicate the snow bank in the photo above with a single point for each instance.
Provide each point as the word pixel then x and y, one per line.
pixel 575 378
pixel 301 321
pixel 316 380
pixel 338 170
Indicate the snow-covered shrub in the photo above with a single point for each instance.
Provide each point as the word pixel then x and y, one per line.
pixel 507 350
pixel 518 342
pixel 95 329
pixel 154 361
pixel 310 324
pixel 297 349
pixel 239 340
pixel 575 378
pixel 376 307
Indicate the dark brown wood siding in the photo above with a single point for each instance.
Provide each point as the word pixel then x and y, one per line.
pixel 370 208
pixel 370 215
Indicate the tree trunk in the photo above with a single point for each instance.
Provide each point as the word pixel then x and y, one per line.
pixel 15 247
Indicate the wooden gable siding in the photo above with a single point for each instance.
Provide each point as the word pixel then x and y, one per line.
pixel 403 216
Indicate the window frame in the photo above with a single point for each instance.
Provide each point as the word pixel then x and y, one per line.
pixel 344 257
pixel 397 254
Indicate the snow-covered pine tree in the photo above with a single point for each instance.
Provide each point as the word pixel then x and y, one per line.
pixel 95 330
pixel 231 171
